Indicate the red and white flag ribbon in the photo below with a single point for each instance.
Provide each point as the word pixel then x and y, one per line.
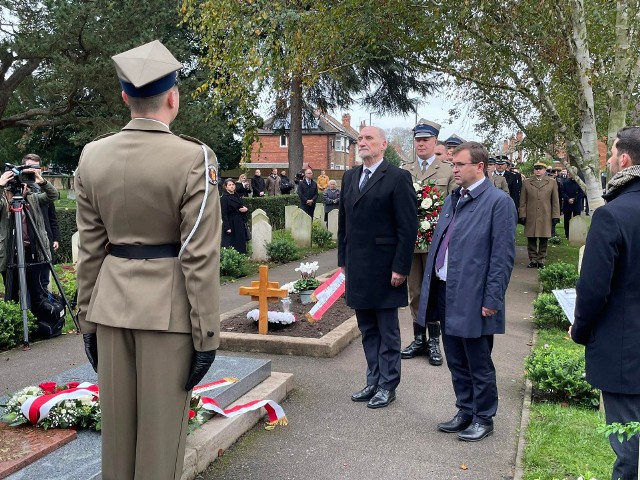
pixel 223 382
pixel 37 409
pixel 275 413
pixel 326 295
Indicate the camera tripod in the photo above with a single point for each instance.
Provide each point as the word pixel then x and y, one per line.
pixel 15 242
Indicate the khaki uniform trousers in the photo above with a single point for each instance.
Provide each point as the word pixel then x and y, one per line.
pixel 537 249
pixel 145 408
pixel 418 266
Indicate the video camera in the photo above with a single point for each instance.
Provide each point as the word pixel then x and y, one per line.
pixel 20 176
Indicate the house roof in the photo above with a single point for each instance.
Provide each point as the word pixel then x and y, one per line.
pixel 323 124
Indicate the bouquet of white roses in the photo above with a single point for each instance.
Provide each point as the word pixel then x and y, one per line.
pixel 430 201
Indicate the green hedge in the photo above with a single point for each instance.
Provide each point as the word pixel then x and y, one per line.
pixel 272 206
pixel 67 224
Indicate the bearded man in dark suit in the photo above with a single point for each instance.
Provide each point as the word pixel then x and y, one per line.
pixel 377 227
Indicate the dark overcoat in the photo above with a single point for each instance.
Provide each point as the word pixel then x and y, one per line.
pixel 607 314
pixel 376 234
pixel 514 182
pixel 571 189
pixel 234 220
pixel 480 261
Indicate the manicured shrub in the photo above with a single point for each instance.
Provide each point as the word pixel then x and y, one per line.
pixel 282 250
pixel 232 263
pixel 11 328
pixel 67 225
pixel 559 373
pixel 558 275
pixel 272 206
pixel 547 313
pixel 320 236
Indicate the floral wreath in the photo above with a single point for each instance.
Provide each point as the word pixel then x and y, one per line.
pixel 430 201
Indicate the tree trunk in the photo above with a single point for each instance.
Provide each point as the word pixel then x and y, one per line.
pixel 296 150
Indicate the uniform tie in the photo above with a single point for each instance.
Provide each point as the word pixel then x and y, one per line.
pixel 423 166
pixel 444 245
pixel 364 181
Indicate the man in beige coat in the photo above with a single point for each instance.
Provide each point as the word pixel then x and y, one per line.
pixel 425 168
pixel 539 208
pixel 148 271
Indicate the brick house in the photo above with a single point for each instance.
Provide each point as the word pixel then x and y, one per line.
pixel 328 144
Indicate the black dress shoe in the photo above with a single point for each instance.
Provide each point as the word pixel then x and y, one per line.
pixel 540 265
pixel 365 394
pixel 382 398
pixel 532 265
pixel 475 432
pixel 456 424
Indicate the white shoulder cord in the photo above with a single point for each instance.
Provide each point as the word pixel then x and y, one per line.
pixel 204 203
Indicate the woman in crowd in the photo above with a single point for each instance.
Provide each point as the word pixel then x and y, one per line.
pixel 234 232
pixel 243 186
pixel 331 199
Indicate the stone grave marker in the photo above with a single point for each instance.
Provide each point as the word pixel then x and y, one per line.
pixel 288 215
pixel 74 247
pixel 332 220
pixel 578 231
pixel 318 213
pixel 261 233
pixel 264 291
pixel 71 194
pixel 301 228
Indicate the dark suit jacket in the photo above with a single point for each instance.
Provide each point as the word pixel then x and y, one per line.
pixel 257 185
pixel 570 189
pixel 481 255
pixel 607 314
pixel 376 235
pixel 514 181
pixel 307 192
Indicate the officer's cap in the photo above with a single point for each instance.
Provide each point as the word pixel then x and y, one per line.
pixel 426 129
pixel 540 164
pixel 147 70
pixel 492 161
pixel 454 140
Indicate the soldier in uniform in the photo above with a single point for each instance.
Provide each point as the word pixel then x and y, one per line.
pixel 539 208
pixel 148 271
pixel 497 181
pixel 451 143
pixel 424 168
pixel 514 180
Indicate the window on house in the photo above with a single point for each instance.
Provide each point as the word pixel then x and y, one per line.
pixel 283 140
pixel 340 143
pixel 332 166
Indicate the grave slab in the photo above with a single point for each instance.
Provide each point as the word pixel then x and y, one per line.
pixel 80 459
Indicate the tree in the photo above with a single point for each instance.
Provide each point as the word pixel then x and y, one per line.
pixel 559 70
pixel 310 54
pixel 392 156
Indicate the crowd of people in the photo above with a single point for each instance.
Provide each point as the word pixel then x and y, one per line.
pixel 166 253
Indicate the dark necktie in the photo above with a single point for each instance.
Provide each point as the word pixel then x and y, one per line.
pixel 442 251
pixel 364 181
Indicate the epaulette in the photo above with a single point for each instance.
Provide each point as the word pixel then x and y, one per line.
pixel 191 139
pixel 104 135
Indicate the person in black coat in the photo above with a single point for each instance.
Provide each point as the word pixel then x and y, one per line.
pixel 377 224
pixel 257 184
pixel 308 192
pixel 572 197
pixel 607 311
pixel 243 186
pixel 514 180
pixel 234 232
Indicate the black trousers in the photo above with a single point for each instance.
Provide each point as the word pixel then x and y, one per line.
pixel 623 408
pixel 36 287
pixel 380 330
pixel 473 374
pixel 567 218
pixel 309 209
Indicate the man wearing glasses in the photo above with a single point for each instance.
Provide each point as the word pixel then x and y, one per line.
pixel 539 209
pixel 467 274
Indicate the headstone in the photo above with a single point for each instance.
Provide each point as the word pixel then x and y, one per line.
pixel 74 246
pixel 288 215
pixel 318 213
pixel 81 458
pixel 332 219
pixel 578 231
pixel 71 194
pixel 260 235
pixel 301 228
pixel 264 291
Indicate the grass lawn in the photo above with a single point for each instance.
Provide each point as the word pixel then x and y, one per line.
pixel 64 202
pixel 562 252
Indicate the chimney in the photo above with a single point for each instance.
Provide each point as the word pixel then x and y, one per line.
pixel 363 123
pixel 346 120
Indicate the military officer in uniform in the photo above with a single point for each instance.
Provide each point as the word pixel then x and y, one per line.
pixel 497 181
pixel 148 271
pixel 452 142
pixel 514 180
pixel 425 168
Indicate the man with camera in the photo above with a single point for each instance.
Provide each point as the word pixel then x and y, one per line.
pixel 24 180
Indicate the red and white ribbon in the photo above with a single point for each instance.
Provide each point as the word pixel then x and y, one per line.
pixel 275 413
pixel 326 295
pixel 37 409
pixel 223 382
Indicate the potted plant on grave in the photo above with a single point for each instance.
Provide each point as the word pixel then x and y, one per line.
pixel 307 282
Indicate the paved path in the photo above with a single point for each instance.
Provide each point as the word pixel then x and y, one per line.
pixel 330 437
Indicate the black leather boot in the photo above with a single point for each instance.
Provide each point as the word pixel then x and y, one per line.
pixel 433 344
pixel 419 345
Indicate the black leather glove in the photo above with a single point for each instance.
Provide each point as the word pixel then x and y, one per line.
pixel 522 220
pixel 91 349
pixel 555 221
pixel 199 367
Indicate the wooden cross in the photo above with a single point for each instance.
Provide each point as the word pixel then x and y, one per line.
pixel 264 291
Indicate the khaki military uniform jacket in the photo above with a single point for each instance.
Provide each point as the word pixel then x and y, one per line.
pixel 500 182
pixel 146 186
pixel 539 203
pixel 440 173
